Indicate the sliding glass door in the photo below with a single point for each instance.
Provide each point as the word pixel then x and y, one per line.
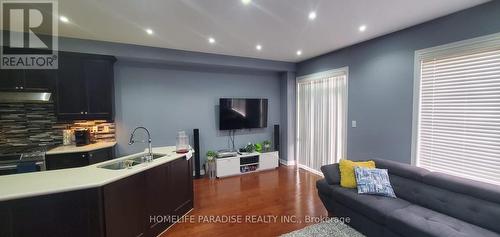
pixel 321 118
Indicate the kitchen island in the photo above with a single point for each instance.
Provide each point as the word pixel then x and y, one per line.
pixel 96 201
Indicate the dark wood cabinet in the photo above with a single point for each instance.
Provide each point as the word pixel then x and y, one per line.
pixel 11 79
pixel 28 80
pixel 71 101
pixel 6 219
pixel 158 200
pixel 182 185
pixel 100 155
pixel 98 75
pixel 85 86
pixel 124 207
pixel 168 192
pixel 73 160
pixel 40 80
pixel 74 213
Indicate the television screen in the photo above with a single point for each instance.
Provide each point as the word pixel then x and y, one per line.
pixel 242 113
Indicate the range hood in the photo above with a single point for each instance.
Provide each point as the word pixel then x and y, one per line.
pixel 26 97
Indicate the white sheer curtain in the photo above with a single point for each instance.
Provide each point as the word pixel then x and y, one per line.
pixel 321 118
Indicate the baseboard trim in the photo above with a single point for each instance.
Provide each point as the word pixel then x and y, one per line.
pixel 310 170
pixel 287 162
pixel 202 172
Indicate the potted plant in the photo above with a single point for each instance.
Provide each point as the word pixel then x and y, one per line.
pixel 258 147
pixel 211 155
pixel 266 145
pixel 210 166
pixel 250 148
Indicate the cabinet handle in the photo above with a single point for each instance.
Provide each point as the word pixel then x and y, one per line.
pixel 17 87
pixel 21 87
pixel 85 112
pixel 81 112
pixel 83 156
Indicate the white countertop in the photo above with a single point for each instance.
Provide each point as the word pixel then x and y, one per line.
pixel 77 149
pixel 39 183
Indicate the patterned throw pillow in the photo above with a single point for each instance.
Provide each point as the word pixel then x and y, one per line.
pixel 374 181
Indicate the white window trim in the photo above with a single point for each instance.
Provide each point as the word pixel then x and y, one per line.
pixel 327 73
pixel 469 46
pixel 318 76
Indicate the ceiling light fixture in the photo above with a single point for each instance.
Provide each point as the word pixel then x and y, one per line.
pixel 211 40
pixel 246 2
pixel 64 19
pixel 312 15
pixel 299 52
pixel 258 47
pixel 362 28
pixel 149 31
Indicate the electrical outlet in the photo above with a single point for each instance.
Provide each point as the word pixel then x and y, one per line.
pixel 353 123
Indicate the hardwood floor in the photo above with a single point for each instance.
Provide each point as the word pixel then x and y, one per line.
pixel 287 194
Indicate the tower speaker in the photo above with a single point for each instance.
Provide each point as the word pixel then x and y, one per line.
pixel 276 137
pixel 196 138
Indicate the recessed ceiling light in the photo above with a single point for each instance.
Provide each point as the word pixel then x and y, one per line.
pixel 312 15
pixel 211 40
pixel 362 28
pixel 149 31
pixel 246 2
pixel 64 19
pixel 299 52
pixel 258 47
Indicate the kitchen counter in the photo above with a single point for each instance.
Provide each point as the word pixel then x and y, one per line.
pixel 77 149
pixel 55 181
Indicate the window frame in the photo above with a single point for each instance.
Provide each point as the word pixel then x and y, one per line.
pixel 464 47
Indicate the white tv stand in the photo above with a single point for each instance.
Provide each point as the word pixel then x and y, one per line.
pixel 246 163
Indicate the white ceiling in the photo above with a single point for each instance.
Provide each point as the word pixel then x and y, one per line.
pixel 280 26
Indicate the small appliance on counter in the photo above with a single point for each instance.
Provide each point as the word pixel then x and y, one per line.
pixel 82 137
pixel 182 145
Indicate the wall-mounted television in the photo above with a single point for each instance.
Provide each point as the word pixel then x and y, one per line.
pixel 236 113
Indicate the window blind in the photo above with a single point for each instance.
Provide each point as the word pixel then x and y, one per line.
pixel 321 119
pixel 459 115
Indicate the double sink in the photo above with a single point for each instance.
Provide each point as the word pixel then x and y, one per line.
pixel 129 163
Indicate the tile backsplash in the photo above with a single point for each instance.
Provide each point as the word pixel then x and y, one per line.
pixel 28 124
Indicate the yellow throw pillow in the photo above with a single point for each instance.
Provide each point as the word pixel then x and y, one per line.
pixel 346 167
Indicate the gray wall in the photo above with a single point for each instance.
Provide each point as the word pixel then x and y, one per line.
pixel 166 100
pixel 381 79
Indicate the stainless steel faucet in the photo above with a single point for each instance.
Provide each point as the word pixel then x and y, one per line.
pixel 149 157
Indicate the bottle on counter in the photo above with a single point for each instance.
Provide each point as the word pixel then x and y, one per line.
pixel 182 145
pixel 68 137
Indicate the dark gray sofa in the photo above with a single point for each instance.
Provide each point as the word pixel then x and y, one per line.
pixel 428 204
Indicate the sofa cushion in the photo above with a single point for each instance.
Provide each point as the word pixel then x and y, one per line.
pixel 324 188
pixel 481 190
pixel 419 221
pixel 465 207
pixel 407 189
pixel 402 169
pixel 374 207
pixel 331 173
